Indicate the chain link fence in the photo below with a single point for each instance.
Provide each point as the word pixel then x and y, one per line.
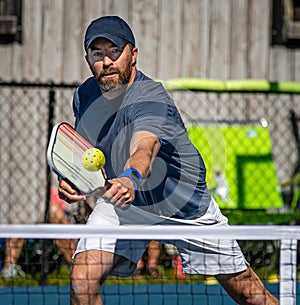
pixel 25 116
pixel 27 112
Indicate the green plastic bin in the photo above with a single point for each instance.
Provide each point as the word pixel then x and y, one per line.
pixel 241 173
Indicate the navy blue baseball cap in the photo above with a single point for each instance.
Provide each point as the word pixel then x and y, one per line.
pixel 112 28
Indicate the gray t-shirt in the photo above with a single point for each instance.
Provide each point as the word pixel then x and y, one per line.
pixel 176 185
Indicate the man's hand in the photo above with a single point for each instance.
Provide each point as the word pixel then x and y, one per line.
pixel 67 193
pixel 121 193
pixel 144 147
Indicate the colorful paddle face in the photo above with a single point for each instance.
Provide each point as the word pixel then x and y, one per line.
pixel 65 154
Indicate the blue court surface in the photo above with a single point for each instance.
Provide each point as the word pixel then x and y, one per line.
pixel 161 294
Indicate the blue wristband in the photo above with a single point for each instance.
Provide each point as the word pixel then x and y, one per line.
pixel 134 175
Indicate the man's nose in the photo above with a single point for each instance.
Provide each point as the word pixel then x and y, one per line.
pixel 107 61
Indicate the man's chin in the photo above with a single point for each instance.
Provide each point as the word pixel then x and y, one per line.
pixel 110 86
pixel 109 89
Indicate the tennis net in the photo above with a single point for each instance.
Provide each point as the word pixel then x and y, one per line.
pixel 271 250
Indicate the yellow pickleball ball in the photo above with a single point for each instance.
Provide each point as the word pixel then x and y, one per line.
pixel 93 159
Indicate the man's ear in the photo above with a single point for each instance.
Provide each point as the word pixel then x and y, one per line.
pixel 86 58
pixel 134 52
pixel 87 61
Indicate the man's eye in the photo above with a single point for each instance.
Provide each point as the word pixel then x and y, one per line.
pixel 98 54
pixel 116 51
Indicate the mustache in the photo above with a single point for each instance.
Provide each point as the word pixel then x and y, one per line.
pixel 109 71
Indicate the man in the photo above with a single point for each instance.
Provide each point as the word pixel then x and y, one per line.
pixel 156 174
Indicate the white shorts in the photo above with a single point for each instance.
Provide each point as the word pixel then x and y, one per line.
pixel 200 256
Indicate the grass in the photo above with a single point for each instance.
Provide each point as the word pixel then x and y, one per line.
pixel 62 278
pixel 260 217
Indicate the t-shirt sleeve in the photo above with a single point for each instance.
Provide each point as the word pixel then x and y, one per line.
pixel 159 118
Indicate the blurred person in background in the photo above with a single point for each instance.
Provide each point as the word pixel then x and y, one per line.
pixel 14 246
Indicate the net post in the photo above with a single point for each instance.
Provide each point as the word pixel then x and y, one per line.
pixel 288 271
pixel 48 171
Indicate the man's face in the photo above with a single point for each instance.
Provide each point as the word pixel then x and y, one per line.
pixel 112 66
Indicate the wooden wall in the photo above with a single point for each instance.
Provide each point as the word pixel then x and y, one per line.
pixel 219 39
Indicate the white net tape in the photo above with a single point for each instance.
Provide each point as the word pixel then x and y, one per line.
pixel 240 232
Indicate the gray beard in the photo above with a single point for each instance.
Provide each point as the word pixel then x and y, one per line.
pixel 116 85
pixel 111 86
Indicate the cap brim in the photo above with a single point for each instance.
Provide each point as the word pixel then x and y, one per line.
pixel 119 42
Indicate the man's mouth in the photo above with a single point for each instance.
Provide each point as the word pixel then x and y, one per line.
pixel 109 74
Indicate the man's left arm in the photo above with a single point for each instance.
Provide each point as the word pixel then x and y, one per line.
pixel 144 147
